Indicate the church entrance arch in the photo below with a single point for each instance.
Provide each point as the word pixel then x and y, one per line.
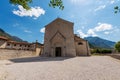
pixel 58 52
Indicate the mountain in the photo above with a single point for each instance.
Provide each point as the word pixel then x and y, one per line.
pixel 17 39
pixel 96 42
pixel 5 34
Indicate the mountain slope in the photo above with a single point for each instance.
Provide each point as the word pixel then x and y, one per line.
pixel 5 34
pixel 97 42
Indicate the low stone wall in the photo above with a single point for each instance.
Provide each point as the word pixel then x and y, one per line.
pixel 9 54
pixel 115 55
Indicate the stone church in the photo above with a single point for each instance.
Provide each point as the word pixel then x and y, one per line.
pixel 60 41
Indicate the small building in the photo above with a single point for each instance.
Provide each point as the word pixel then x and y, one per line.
pixel 20 45
pixel 5 43
pixel 59 40
pixel 82 47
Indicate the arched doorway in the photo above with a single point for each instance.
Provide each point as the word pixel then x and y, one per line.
pixel 58 51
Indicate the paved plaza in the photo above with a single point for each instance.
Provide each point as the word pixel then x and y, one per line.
pixel 76 68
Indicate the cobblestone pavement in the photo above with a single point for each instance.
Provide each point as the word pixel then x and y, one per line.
pixel 77 68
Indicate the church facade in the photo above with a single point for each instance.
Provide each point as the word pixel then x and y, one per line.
pixel 60 41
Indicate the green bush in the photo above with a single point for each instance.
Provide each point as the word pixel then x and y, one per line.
pixel 117 46
pixel 103 51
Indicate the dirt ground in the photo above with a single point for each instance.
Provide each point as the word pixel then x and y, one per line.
pixel 64 68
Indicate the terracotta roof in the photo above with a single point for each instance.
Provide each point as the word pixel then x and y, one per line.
pixel 14 42
pixel 3 38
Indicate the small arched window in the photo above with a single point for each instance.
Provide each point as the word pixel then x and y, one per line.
pixel 8 44
pixel 80 43
pixel 14 44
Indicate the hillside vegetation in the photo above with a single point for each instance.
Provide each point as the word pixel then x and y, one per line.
pixel 5 34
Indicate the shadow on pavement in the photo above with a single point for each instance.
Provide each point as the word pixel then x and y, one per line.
pixel 117 56
pixel 38 59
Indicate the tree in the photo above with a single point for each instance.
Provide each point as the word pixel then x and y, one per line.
pixel 117 46
pixel 117 9
pixel 25 3
pixel 53 3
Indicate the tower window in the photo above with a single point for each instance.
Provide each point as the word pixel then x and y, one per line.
pixel 8 44
pixel 80 43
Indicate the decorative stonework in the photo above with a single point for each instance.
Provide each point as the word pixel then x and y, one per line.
pixel 60 40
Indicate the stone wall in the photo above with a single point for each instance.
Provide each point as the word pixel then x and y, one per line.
pixel 2 44
pixel 10 53
pixel 59 33
pixel 82 49
pixel 39 51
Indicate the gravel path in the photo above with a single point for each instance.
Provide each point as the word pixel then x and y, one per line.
pixel 78 68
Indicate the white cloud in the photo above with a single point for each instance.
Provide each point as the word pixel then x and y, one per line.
pixel 115 30
pixel 72 16
pixel 78 1
pixel 83 27
pixel 42 30
pixel 106 32
pixel 100 7
pixel 82 35
pixel 112 1
pixel 81 2
pixel 27 31
pixel 103 27
pixel 91 33
pixel 33 12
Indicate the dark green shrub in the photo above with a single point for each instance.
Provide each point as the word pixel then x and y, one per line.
pixel 117 46
pixel 102 51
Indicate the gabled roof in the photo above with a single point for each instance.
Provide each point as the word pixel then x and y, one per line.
pixel 59 19
pixel 14 42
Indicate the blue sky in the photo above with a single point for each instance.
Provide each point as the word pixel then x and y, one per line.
pixel 90 17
